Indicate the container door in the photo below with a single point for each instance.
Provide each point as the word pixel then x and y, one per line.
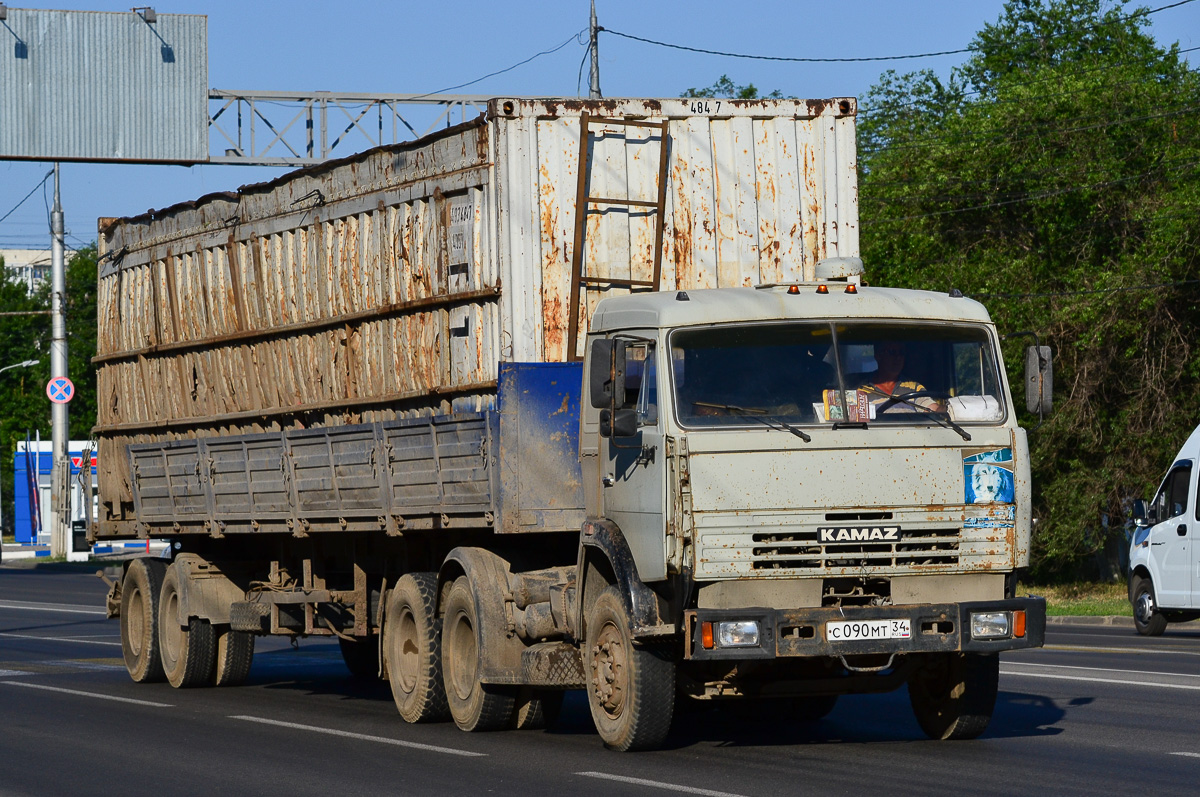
pixel 635 468
pixel 1171 539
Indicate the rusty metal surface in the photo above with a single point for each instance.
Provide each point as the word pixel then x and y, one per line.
pixel 392 283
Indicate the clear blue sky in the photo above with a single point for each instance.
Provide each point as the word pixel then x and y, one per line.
pixel 401 47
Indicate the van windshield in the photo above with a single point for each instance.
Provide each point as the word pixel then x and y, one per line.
pixel 836 372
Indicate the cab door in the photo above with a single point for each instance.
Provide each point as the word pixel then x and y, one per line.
pixel 1173 543
pixel 634 470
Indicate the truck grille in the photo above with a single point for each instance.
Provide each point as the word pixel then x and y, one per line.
pixel 804 551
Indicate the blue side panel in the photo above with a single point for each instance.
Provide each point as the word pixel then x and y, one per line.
pixel 541 488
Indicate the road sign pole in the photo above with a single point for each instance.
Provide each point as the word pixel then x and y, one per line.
pixel 60 482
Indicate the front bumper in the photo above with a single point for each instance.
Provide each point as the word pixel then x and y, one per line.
pixel 936 628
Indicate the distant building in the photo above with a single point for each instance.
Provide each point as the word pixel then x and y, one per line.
pixel 30 266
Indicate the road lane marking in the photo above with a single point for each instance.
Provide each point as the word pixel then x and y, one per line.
pixel 1097 649
pixel 1189 755
pixel 11 673
pixel 1114 681
pixel 61 639
pixel 88 694
pixel 1098 669
pixel 654 784
pixel 66 608
pixel 360 736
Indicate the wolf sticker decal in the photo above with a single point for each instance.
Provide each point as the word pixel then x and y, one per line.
pixel 988 477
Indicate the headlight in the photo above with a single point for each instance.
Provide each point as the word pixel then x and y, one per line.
pixel 737 633
pixel 991 625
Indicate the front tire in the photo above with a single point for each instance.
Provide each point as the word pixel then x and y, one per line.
pixel 1147 619
pixel 188 651
pixel 631 689
pixel 474 706
pixel 953 694
pixel 139 619
pixel 412 649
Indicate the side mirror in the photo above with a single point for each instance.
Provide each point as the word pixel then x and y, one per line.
pixel 618 423
pixel 606 374
pixel 1140 515
pixel 1039 380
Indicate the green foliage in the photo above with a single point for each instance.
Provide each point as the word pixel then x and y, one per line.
pixel 27 337
pixel 727 89
pixel 1053 177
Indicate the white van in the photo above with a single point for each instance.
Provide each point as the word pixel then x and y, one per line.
pixel 1164 556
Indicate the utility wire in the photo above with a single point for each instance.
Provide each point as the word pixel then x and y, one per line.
pixel 32 191
pixel 574 37
pixel 796 59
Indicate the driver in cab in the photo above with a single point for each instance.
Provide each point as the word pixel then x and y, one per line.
pixel 886 387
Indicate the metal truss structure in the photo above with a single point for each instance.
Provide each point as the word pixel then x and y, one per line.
pixel 282 128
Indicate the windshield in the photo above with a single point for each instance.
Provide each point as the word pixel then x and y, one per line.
pixel 827 373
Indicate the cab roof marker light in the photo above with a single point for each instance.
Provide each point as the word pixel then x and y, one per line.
pixel 793 290
pixel 851 288
pixel 822 289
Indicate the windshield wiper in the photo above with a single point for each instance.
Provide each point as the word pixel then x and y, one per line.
pixel 934 415
pixel 757 415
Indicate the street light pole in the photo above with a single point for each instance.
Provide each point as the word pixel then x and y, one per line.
pixel 23 364
pixel 59 488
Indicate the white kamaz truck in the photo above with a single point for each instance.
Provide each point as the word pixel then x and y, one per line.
pixel 578 395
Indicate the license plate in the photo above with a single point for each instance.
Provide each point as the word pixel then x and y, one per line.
pixel 850 630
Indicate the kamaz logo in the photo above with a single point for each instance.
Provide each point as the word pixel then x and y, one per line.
pixel 870 534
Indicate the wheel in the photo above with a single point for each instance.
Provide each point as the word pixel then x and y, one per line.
pixel 361 657
pixel 188 652
pixel 953 694
pixel 412 649
pixel 473 706
pixel 139 619
pixel 537 708
pixel 1147 619
pixel 235 654
pixel 631 689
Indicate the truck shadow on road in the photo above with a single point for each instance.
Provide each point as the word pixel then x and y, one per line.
pixel 857 719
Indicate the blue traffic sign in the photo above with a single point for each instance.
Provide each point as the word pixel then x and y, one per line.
pixel 60 390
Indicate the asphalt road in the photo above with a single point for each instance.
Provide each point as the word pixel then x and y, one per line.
pixel 1099 710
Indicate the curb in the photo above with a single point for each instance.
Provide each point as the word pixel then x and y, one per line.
pixel 1119 620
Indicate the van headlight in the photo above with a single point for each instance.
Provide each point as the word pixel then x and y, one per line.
pixel 737 633
pixel 991 625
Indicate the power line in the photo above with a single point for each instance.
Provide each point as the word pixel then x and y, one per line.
pixel 33 190
pixel 574 37
pixel 796 59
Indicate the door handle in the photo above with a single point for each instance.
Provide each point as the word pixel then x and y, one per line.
pixel 1181 529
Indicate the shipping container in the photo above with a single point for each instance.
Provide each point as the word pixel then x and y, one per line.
pixel 392 285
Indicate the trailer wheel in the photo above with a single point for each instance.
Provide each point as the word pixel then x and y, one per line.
pixel 1147 619
pixel 537 708
pixel 139 619
pixel 412 649
pixel 473 706
pixel 235 654
pixel 631 689
pixel 188 652
pixel 953 694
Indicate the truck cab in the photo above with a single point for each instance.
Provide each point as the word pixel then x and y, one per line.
pixel 824 482
pixel 1164 554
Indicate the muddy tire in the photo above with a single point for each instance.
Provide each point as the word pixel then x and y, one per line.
pixel 188 652
pixel 139 619
pixel 631 689
pixel 1147 619
pixel 361 657
pixel 537 708
pixel 473 706
pixel 235 654
pixel 954 694
pixel 412 636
